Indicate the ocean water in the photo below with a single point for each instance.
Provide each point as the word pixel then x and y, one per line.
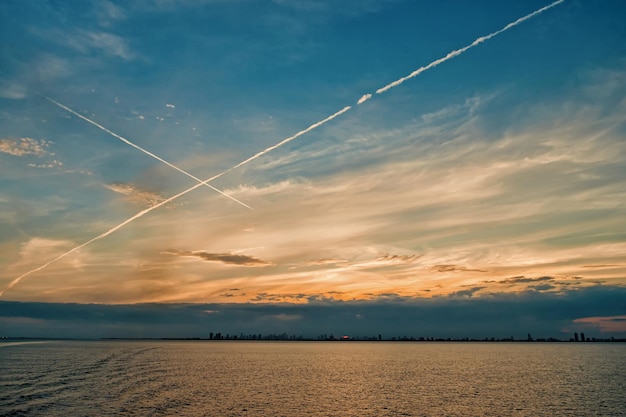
pixel 221 378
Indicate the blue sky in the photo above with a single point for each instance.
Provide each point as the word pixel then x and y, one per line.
pixel 498 173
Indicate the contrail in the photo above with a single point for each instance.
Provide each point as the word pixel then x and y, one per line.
pixel 174 197
pixel 123 139
pixel 460 51
pixel 363 99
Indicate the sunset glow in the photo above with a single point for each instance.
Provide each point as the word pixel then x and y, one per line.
pixel 364 153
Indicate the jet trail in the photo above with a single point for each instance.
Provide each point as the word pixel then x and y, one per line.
pixel 123 139
pixel 174 197
pixel 458 52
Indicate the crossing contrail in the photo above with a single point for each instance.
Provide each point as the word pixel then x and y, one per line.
pixel 128 142
pixel 172 198
pixel 363 99
pixel 458 52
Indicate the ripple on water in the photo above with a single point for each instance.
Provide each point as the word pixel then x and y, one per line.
pixel 151 378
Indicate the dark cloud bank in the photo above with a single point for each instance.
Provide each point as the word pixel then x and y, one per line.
pixel 504 315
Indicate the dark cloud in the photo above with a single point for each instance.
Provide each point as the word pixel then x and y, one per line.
pixel 602 266
pixel 523 279
pixel 454 268
pixel 281 298
pixel 399 258
pixel 541 313
pixel 226 258
pixel 466 293
pixel 542 287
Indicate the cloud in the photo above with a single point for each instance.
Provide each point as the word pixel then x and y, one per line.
pixel 24 146
pixel 425 195
pixel 284 317
pixel 611 324
pixel 592 310
pixel 454 268
pixel 466 293
pixel 226 258
pixel 398 259
pixel 265 297
pixel 523 279
pixel 38 247
pixel 29 76
pixel 324 261
pixel 543 287
pixel 53 164
pixel 88 42
pixel 603 266
pixel 12 90
pixel 377 261
pixel 109 13
pixel 136 194
pixel 451 191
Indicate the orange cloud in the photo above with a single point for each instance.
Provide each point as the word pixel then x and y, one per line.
pixel 607 324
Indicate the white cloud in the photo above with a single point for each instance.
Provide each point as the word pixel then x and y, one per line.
pixel 87 42
pixel 136 194
pixel 24 146
pixel 12 90
pixel 109 12
pixel 53 164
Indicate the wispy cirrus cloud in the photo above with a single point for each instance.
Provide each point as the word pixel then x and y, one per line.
pixel 108 13
pixel 12 89
pixel 28 76
pixel 135 193
pixel 87 42
pixel 370 261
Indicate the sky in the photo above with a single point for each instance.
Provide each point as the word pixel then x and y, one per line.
pixel 428 168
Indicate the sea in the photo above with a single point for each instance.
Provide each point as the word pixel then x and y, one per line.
pixel 259 378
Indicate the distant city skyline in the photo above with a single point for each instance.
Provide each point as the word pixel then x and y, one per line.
pixel 456 166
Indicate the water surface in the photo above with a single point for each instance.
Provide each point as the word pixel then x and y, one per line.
pixel 221 378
